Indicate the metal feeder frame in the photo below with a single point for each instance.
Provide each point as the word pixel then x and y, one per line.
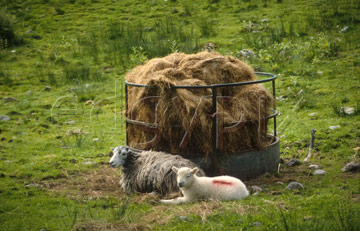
pixel 215 138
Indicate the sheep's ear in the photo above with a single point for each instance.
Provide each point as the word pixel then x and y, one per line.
pixel 194 170
pixel 112 149
pixel 175 169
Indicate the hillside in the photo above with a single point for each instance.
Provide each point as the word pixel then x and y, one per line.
pixel 62 67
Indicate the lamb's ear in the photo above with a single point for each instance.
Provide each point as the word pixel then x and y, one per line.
pixel 194 170
pixel 112 149
pixel 175 169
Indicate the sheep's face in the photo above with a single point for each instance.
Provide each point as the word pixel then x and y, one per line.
pixel 119 157
pixel 184 176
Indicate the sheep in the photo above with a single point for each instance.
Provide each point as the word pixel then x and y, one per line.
pixel 148 171
pixel 214 188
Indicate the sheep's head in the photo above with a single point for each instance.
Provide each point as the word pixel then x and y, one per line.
pixel 184 176
pixel 119 157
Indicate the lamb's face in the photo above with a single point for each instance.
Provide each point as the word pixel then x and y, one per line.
pixel 184 176
pixel 119 157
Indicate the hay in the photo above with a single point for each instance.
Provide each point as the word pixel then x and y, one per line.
pixel 178 112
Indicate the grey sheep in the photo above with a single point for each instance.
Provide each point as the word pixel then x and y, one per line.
pixel 148 171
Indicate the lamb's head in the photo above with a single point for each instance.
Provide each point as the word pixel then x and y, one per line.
pixel 119 157
pixel 184 176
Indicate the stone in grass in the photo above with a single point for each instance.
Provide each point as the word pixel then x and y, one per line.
pixel 258 224
pixel 256 188
pixel 47 88
pixel 293 162
pixel 184 218
pixel 294 186
pixel 348 110
pixel 351 167
pixel 4 118
pixel 10 99
pixel 319 172
pixel 314 166
pixel 334 127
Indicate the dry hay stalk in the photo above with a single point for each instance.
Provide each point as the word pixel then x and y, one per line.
pixel 178 112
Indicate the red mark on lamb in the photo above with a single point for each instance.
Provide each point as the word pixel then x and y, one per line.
pixel 221 183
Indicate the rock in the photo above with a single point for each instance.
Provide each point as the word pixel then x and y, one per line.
pixel 314 166
pixel 4 118
pixel 279 182
pixel 294 185
pixel 210 47
pixel 274 193
pixel 13 51
pixel 256 188
pixel 247 53
pixel 293 162
pixel 29 32
pixel 313 114
pixel 87 162
pixel 257 224
pixel 70 122
pixel 348 110
pixel 351 167
pixel 47 88
pixel 32 186
pixel 29 93
pixel 334 127
pixel 96 139
pixel 345 28
pixel 265 20
pixel 10 99
pixel 282 137
pixel 184 218
pixel 318 172
pixel 319 72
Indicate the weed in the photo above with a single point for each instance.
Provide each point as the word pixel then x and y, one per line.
pixel 76 72
pixel 5 78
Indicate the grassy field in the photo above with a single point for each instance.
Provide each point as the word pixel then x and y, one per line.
pixel 62 67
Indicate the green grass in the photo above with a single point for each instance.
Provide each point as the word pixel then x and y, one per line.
pixel 53 151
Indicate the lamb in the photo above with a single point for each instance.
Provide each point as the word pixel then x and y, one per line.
pixel 148 171
pixel 215 188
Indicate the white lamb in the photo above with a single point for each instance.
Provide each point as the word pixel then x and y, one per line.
pixel 199 188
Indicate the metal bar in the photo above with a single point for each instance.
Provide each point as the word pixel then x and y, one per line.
pixel 273 77
pixel 214 129
pixel 273 87
pixel 126 114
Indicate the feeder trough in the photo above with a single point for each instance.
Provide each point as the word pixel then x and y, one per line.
pixel 242 164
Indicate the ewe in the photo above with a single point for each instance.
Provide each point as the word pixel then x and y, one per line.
pixel 148 171
pixel 214 188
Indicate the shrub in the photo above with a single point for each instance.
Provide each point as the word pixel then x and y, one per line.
pixel 7 32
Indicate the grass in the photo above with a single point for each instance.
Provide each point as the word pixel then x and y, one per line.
pixel 54 150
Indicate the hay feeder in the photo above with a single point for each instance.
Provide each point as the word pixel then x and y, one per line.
pixel 244 164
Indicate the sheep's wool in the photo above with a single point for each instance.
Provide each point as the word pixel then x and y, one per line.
pixel 150 171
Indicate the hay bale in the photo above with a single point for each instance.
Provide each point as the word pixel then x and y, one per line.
pixel 188 113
